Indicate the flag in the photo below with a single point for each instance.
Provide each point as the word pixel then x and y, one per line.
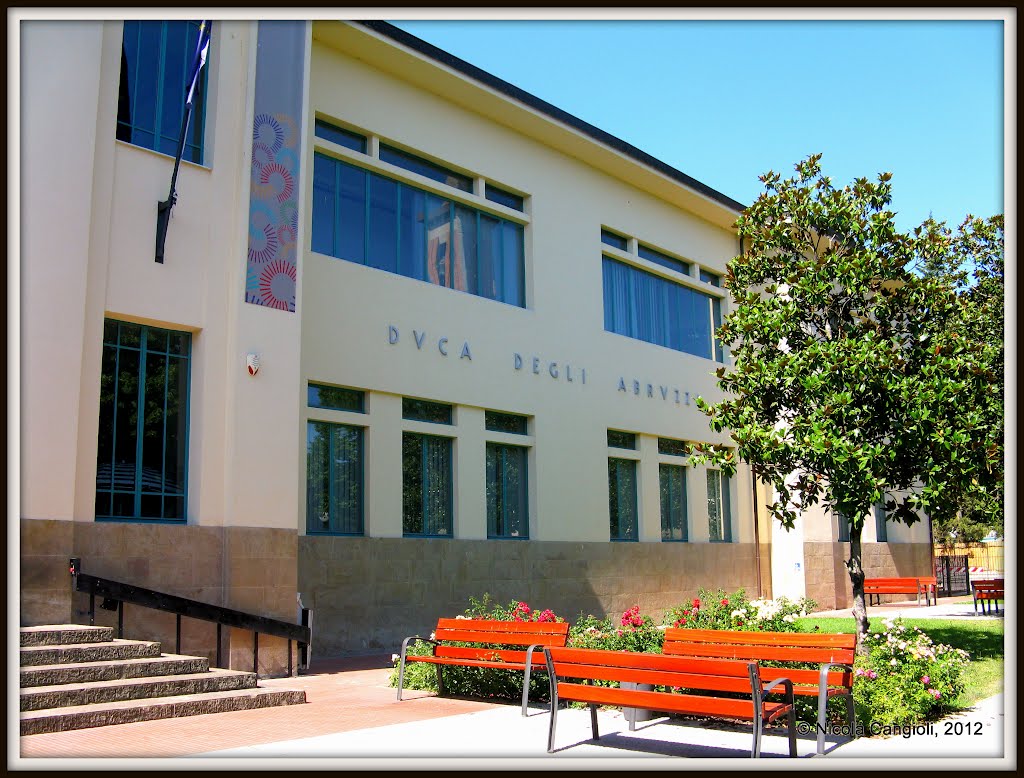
pixel 202 47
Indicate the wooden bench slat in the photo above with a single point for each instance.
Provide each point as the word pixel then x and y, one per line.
pixel 684 704
pixel 514 627
pixel 498 638
pixel 810 639
pixel 765 652
pixel 671 679
pixel 486 654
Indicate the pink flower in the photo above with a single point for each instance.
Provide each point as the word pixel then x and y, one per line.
pixel 696 602
pixel 935 693
pixel 725 602
pixel 523 607
pixel 680 622
pixel 925 679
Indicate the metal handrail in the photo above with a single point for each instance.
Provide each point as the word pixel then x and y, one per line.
pixel 115 594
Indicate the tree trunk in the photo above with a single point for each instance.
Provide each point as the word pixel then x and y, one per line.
pixel 860 611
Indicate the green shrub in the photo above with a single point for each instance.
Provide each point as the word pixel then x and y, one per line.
pixel 630 632
pixel 905 678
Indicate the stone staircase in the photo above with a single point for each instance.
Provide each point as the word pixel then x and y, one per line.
pixel 73 677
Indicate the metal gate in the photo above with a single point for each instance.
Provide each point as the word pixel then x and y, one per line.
pixel 951 573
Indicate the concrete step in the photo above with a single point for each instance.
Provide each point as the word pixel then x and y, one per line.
pixel 86 672
pixel 125 712
pixel 91 693
pixel 64 634
pixel 33 656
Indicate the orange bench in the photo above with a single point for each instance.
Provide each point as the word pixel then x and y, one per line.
pixel 833 653
pixel 490 642
pixel 704 681
pixel 990 591
pixel 917 585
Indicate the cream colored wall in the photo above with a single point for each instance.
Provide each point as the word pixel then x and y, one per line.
pixel 347 310
pixel 89 204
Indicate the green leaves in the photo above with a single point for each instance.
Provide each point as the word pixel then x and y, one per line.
pixel 867 362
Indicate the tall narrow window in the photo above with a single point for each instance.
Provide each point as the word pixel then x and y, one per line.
pixel 622 506
pixel 507 511
pixel 673 502
pixel 881 535
pixel 844 528
pixel 719 509
pixel 155 61
pixel 334 479
pixel 426 485
pixel 142 451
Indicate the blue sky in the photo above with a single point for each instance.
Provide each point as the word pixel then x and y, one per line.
pixel 725 101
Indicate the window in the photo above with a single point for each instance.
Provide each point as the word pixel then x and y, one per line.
pixel 881 533
pixel 844 528
pixel 346 138
pixel 618 439
pixel 335 398
pixel 710 278
pixel 611 239
pixel 505 422
pixel 142 448
pixel 509 200
pixel 426 485
pixel 365 218
pixel 719 509
pixel 507 509
pixel 155 62
pixel 647 307
pixel 334 479
pixel 673 502
pixel 425 167
pixel 424 410
pixel 664 260
pixel 622 499
pixel 671 447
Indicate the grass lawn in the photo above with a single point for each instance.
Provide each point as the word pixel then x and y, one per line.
pixel 981 638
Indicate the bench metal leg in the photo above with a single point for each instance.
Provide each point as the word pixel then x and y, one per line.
pixel 593 722
pixel 554 715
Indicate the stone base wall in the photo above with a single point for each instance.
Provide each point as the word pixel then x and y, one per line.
pixel 367 594
pixel 828 580
pixel 245 568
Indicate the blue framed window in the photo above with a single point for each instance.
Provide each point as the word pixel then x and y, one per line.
pixel 673 447
pixel 619 439
pixel 142 447
pixel 334 479
pixel 658 258
pixel 425 410
pixel 508 514
pixel 710 278
pixel 343 137
pixel 426 485
pixel 622 502
pixel 335 398
pixel 719 507
pixel 371 220
pixel 508 199
pixel 155 61
pixel 511 423
pixel 672 480
pixel 424 167
pixel 881 533
pixel 844 528
pixel 647 307
pixel 610 238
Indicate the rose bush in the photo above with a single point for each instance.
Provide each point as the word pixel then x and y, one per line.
pixel 905 678
pixel 718 610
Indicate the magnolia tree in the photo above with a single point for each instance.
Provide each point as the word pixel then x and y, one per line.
pixel 846 386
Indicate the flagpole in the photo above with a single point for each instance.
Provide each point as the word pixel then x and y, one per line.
pixel 163 208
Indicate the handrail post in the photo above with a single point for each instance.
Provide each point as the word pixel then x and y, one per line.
pixel 120 619
pixel 92 609
pixel 255 652
pixel 218 645
pixel 177 633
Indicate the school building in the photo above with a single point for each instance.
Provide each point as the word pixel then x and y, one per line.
pixel 417 335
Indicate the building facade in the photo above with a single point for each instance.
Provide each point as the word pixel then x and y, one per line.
pixel 417 336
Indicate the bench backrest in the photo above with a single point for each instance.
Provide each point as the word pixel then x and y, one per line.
pixel 991 585
pixel 721 675
pixel 490 633
pixel 904 580
pixel 774 647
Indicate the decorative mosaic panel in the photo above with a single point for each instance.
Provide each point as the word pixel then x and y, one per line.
pixel 274 190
